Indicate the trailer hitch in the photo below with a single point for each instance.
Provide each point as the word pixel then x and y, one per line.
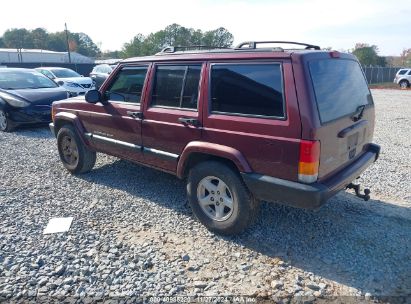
pixel 365 196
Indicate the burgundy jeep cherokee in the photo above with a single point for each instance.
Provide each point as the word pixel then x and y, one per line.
pixel 241 125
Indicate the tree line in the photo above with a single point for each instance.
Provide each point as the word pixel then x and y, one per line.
pixel 140 45
pixel 39 38
pixel 171 35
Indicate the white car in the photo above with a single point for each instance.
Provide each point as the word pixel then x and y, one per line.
pixel 403 78
pixel 73 82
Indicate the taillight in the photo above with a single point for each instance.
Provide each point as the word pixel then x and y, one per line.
pixel 309 161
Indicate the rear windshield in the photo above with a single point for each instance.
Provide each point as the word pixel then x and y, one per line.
pixel 339 86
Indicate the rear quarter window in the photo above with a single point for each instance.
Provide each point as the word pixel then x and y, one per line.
pixel 339 86
pixel 247 89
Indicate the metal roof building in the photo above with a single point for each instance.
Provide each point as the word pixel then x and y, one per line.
pixel 40 56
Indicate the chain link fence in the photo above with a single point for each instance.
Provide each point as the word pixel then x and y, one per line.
pixel 380 74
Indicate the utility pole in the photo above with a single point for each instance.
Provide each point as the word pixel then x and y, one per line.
pixel 67 40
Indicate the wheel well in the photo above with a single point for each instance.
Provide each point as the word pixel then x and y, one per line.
pixel 59 123
pixel 196 158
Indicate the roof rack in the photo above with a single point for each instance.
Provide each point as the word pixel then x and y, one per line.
pixel 253 44
pixel 173 49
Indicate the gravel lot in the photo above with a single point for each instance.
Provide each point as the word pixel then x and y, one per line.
pixel 133 233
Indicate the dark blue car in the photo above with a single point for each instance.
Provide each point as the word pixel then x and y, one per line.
pixel 26 97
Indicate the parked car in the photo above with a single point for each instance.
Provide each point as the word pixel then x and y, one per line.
pixel 241 125
pixel 403 78
pixel 72 81
pixel 100 73
pixel 26 97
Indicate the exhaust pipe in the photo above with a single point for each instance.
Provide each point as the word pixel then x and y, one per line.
pixel 365 196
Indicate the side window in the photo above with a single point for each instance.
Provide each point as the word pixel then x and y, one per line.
pixel 127 85
pixel 176 86
pixel 247 89
pixel 409 73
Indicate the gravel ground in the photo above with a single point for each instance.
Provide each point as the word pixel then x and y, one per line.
pixel 133 233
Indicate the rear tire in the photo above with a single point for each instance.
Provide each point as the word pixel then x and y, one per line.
pixel 219 198
pixel 404 84
pixel 75 156
pixel 6 125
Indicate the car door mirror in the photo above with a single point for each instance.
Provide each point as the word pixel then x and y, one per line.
pixel 60 82
pixel 94 96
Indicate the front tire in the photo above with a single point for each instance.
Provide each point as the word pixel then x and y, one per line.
pixel 6 125
pixel 219 198
pixel 75 156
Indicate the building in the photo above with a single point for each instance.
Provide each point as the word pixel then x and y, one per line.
pixel 40 56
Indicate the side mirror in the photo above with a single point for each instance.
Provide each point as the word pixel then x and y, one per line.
pixel 60 82
pixel 94 96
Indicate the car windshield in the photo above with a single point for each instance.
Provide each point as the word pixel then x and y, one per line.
pixel 64 73
pixel 106 69
pixel 15 80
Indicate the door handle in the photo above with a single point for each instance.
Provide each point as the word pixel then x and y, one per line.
pixel 135 114
pixel 189 121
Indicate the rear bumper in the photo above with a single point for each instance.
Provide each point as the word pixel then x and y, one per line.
pixel 310 196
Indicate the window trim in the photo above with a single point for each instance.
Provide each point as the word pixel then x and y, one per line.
pixel 248 62
pixel 129 67
pixel 182 64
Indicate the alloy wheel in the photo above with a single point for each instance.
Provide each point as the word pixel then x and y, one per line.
pixel 215 198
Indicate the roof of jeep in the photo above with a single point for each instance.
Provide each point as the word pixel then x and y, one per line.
pixel 222 54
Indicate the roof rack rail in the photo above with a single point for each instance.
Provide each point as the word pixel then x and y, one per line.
pixel 253 44
pixel 173 49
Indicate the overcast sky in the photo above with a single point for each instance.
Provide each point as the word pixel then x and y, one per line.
pixel 339 24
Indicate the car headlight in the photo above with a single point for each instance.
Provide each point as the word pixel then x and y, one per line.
pixel 72 84
pixel 14 101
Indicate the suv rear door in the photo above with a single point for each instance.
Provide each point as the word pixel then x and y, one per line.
pixel 171 115
pixel 342 109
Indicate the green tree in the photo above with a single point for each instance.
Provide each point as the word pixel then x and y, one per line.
pixel 134 47
pixel 2 45
pixel 57 42
pixel 18 38
pixel 84 45
pixel 40 37
pixel 368 55
pixel 176 35
pixel 218 38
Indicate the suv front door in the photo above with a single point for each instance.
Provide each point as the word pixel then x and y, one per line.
pixel 171 116
pixel 115 128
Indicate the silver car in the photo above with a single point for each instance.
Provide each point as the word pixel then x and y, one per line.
pixel 403 78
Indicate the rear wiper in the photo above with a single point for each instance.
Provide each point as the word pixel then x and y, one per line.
pixel 358 113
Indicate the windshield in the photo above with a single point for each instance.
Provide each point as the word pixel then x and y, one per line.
pixel 15 80
pixel 106 69
pixel 64 73
pixel 340 87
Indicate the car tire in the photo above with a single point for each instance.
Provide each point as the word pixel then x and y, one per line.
pixel 6 125
pixel 75 156
pixel 404 84
pixel 219 198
